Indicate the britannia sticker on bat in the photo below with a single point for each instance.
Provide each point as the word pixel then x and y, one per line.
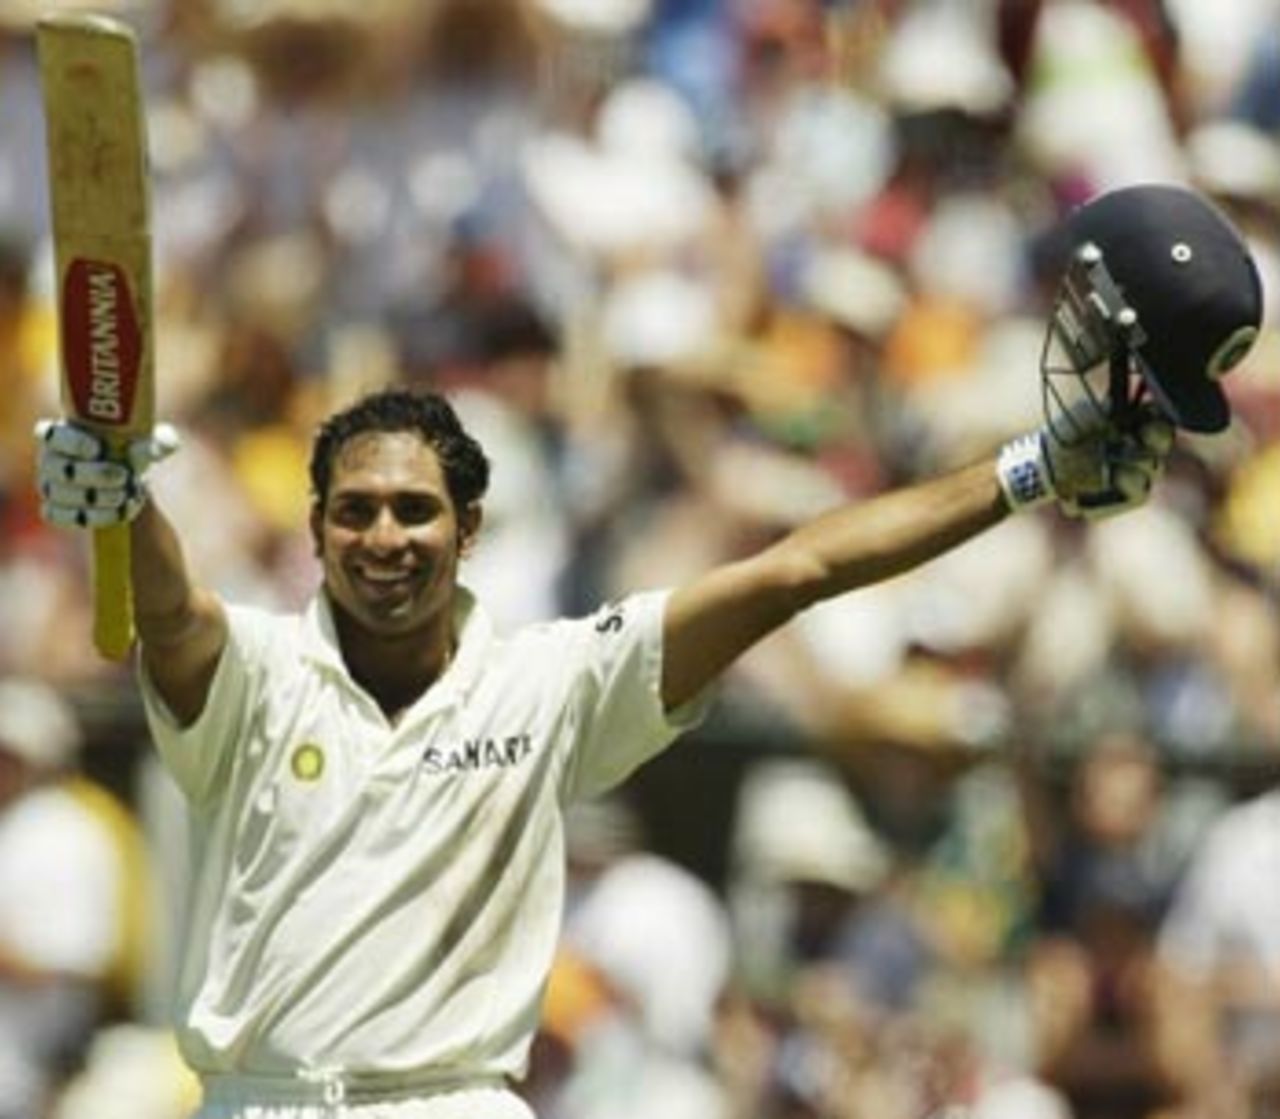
pixel 101 339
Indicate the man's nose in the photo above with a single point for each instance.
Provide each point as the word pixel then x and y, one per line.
pixel 386 533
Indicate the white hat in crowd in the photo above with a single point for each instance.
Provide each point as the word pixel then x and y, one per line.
pixel 797 822
pixel 37 724
pixel 662 937
pixel 854 289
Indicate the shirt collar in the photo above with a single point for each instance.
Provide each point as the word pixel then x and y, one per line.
pixel 470 621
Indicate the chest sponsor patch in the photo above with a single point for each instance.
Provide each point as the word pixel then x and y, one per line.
pixel 307 762
pixel 478 753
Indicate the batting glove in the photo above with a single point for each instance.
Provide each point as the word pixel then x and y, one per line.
pixel 1091 469
pixel 81 487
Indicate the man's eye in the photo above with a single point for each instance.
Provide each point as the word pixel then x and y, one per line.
pixel 351 514
pixel 415 510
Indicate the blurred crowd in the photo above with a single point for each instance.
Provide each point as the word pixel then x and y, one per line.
pixel 995 839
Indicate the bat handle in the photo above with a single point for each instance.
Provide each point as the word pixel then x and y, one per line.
pixel 112 593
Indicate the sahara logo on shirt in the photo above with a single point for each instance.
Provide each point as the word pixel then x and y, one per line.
pixel 479 753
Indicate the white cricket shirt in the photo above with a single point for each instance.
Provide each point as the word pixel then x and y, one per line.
pixel 385 901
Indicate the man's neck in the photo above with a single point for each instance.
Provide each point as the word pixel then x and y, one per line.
pixel 395 671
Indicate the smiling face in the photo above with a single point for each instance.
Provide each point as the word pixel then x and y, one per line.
pixel 389 537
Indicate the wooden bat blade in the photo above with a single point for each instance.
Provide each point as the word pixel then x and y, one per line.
pixel 100 209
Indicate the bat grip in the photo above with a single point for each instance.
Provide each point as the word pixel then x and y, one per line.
pixel 112 593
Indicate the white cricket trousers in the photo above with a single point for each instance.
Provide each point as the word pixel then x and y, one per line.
pixel 236 1098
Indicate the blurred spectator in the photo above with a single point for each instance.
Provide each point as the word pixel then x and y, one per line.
pixel 72 900
pixel 1095 114
pixel 647 950
pixel 1219 950
pixel 1216 46
pixel 26 352
pixel 1107 872
pixel 830 955
pixel 23 200
pixel 520 562
pixel 131 1072
pixel 809 884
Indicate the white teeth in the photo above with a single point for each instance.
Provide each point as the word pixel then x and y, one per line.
pixel 383 577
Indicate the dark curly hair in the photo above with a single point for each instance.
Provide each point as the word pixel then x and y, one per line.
pixel 427 414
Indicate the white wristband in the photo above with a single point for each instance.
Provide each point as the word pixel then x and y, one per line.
pixel 1023 472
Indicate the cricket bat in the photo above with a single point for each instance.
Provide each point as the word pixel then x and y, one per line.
pixel 100 208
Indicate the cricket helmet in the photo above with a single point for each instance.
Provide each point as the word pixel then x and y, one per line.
pixel 1160 289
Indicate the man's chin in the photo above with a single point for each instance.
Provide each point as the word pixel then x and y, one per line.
pixel 398 614
pixel 385 618
pixel 391 620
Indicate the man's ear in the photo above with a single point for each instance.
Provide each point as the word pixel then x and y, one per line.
pixel 469 528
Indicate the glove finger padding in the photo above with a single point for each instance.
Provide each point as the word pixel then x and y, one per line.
pixel 1129 487
pixel 87 494
pixel 68 516
pixel 81 487
pixel 81 473
pixel 1156 434
pixel 68 439
pixel 1124 471
pixel 1094 472
pixel 85 497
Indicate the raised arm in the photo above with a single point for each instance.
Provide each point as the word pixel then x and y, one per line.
pixel 711 621
pixel 182 628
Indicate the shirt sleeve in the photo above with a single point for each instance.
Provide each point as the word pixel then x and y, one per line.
pixel 615 695
pixel 198 756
